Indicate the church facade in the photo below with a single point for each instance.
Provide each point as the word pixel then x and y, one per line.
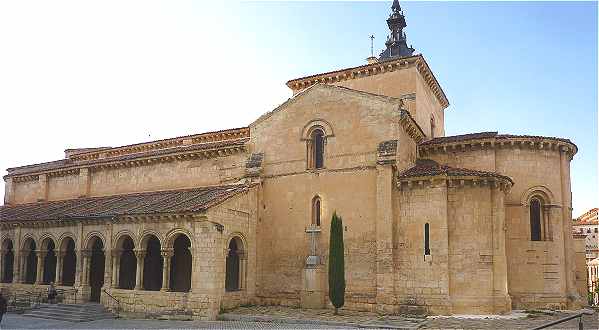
pixel 477 223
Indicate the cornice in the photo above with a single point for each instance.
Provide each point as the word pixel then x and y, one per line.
pixel 374 69
pixel 502 142
pixel 465 181
pixel 410 126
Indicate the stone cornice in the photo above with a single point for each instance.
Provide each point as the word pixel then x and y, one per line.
pixel 454 182
pixel 141 161
pixel 411 127
pixel 218 136
pixel 374 69
pixel 520 142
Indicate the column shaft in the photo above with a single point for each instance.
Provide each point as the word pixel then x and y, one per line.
pixel 59 260
pixel 40 268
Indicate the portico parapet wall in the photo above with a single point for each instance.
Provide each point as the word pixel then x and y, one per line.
pixel 209 233
pixel 541 274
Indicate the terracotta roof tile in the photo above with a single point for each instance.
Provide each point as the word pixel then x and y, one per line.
pixel 170 201
pixel 427 167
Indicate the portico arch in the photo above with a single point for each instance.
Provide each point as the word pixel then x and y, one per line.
pixel 126 262
pixel 67 262
pixel 94 257
pixel 8 258
pixel 235 264
pixel 48 258
pixel 180 263
pixel 152 263
pixel 29 261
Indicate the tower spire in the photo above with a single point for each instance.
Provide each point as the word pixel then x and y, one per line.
pixel 396 41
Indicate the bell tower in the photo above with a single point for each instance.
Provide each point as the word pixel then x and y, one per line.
pixel 396 40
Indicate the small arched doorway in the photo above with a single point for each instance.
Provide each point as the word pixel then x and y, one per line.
pixel 96 268
pixel 180 272
pixel 69 262
pixel 7 261
pixel 234 271
pixel 49 271
pixel 30 263
pixel 152 269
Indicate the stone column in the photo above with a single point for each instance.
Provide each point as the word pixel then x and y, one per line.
pixel 39 278
pixel 140 255
pixel 116 260
pixel 86 255
pixel 22 262
pixel 59 259
pixel 243 258
pixel 2 265
pixel 166 268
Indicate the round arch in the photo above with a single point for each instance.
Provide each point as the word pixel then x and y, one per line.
pixel 121 237
pixel 172 235
pixel 26 242
pixel 64 239
pixel 540 191
pixel 45 241
pixel 322 124
pixel 91 238
pixel 235 262
pixel 146 235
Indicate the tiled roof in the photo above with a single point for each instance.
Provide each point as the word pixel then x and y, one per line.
pixel 486 135
pixel 147 203
pixel 427 167
pixel 588 218
pixel 65 163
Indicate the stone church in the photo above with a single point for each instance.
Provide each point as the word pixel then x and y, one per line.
pixel 477 223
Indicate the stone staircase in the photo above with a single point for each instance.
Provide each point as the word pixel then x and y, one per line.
pixel 73 313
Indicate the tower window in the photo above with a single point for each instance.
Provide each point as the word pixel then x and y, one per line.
pixel 427 248
pixel 316 211
pixel 535 220
pixel 316 149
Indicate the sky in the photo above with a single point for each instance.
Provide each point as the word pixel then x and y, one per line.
pixel 109 73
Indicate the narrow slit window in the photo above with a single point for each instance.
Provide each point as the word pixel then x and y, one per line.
pixel 316 149
pixel 427 248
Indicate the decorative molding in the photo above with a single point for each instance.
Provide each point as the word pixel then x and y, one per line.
pixel 453 182
pixel 374 69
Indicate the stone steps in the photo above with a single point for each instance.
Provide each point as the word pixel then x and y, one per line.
pixel 71 313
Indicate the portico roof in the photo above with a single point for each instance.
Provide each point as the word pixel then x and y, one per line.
pixel 145 203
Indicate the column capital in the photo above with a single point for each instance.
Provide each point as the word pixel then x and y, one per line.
pixel 86 253
pixel 116 253
pixel 167 253
pixel 41 253
pixel 242 254
pixel 140 254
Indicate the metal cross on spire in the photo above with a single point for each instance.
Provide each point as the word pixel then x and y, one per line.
pixel 372 45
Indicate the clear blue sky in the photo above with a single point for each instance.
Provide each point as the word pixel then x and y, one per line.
pixel 97 73
pixel 513 67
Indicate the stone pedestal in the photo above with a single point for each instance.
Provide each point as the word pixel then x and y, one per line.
pixel 313 290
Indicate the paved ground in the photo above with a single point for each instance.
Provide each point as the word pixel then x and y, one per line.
pixel 311 319
pixel 515 320
pixel 16 321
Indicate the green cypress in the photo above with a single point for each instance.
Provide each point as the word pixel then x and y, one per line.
pixel 336 264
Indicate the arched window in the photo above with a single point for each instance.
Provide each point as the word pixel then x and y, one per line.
pixel 316 211
pixel 432 126
pixel 427 248
pixel 49 270
pixel 535 220
pixel 235 265
pixel 316 149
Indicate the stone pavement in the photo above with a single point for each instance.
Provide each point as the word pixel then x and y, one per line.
pixel 515 320
pixel 17 321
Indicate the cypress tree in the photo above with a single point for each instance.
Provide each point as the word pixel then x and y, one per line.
pixel 336 264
